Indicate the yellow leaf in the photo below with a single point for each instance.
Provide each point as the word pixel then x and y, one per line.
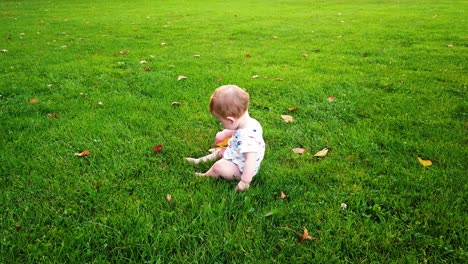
pixel 321 153
pixel 287 118
pixel 223 143
pixel 181 77
pixel 425 163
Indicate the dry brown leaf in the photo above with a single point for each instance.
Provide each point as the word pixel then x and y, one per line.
pixel 53 115
pixel 287 118
pixel 169 197
pixel 248 56
pixel 299 151
pixel 425 163
pixel 283 195
pixel 83 153
pixel 331 99
pixel 278 79
pixel 181 77
pixel 147 68
pixel 305 55
pixel 294 108
pixel 218 79
pixel 33 101
pixel 123 52
pixel 321 153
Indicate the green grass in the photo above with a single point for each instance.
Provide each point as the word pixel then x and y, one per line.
pixel 397 70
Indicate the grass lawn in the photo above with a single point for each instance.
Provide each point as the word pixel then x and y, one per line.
pixel 379 83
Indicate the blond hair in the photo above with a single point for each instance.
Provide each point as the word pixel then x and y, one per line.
pixel 229 100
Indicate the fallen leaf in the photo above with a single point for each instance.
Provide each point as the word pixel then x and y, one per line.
pixel 196 56
pixel 33 101
pixel 174 104
pixel 248 56
pixel 157 148
pixel 291 109
pixel 305 55
pixel 168 197
pixel 321 153
pixel 278 79
pixel 299 151
pixel 450 45
pixel 53 115
pixel 425 163
pixel 18 228
pixel 147 68
pixel 181 77
pixel 218 79
pixel 331 99
pixel 143 62
pixel 287 118
pixel 164 44
pixel 100 103
pixel 123 52
pixel 275 37
pixel 4 50
pixel 255 77
pixel 343 206
pixel 283 195
pixel 306 236
pixel 83 153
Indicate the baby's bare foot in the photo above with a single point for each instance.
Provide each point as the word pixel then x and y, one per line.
pixel 192 160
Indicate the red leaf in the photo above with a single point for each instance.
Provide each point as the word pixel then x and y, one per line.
pixel 157 148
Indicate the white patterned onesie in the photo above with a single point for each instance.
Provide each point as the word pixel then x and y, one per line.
pixel 249 139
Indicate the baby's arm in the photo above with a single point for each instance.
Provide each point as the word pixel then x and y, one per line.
pixel 248 173
pixel 222 135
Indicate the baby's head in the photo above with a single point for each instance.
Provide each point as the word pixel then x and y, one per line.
pixel 229 101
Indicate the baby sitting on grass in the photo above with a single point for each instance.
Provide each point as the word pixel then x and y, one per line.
pixel 241 159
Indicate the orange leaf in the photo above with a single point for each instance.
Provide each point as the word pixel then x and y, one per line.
pixel 425 163
pixel 321 153
pixel 33 101
pixel 307 236
pixel 294 108
pixel 283 195
pixel 83 153
pixel 287 118
pixel 299 151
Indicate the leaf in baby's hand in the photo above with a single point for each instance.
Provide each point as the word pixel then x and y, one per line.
pixel 223 143
pixel 306 236
pixel 287 118
pixel 83 153
pixel 321 153
pixel 425 163
pixel 299 151
pixel 181 77
pixel 157 148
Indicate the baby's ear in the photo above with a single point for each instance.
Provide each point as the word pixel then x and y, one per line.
pixel 231 119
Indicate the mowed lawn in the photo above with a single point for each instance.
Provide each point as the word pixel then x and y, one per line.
pixel 88 88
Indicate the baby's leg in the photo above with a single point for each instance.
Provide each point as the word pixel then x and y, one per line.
pixel 206 158
pixel 217 153
pixel 224 169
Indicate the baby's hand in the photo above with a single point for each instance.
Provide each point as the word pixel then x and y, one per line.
pixel 242 186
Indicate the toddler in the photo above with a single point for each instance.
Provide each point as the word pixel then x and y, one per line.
pixel 241 159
